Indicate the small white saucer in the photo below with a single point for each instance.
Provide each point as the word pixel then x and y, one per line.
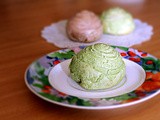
pixel 60 79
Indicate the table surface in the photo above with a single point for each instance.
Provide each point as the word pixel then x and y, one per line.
pixel 21 43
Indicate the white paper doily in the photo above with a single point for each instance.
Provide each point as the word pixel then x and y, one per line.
pixel 56 34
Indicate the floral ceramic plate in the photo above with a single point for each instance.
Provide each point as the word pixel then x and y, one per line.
pixel 36 79
pixel 59 78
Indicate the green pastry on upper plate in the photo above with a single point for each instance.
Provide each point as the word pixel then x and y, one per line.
pixel 117 21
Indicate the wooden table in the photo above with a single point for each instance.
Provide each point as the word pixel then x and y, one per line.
pixel 21 43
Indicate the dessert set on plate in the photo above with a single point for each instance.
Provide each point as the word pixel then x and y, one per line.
pixel 96 76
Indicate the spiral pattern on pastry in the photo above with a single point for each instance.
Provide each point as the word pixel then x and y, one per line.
pixel 98 66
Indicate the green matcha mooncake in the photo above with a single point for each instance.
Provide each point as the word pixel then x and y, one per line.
pixel 96 67
pixel 117 21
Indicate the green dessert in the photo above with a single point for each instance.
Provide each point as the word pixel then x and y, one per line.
pixel 117 21
pixel 96 67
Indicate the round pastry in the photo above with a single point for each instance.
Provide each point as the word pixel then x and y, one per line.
pixel 117 21
pixel 84 27
pixel 98 66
